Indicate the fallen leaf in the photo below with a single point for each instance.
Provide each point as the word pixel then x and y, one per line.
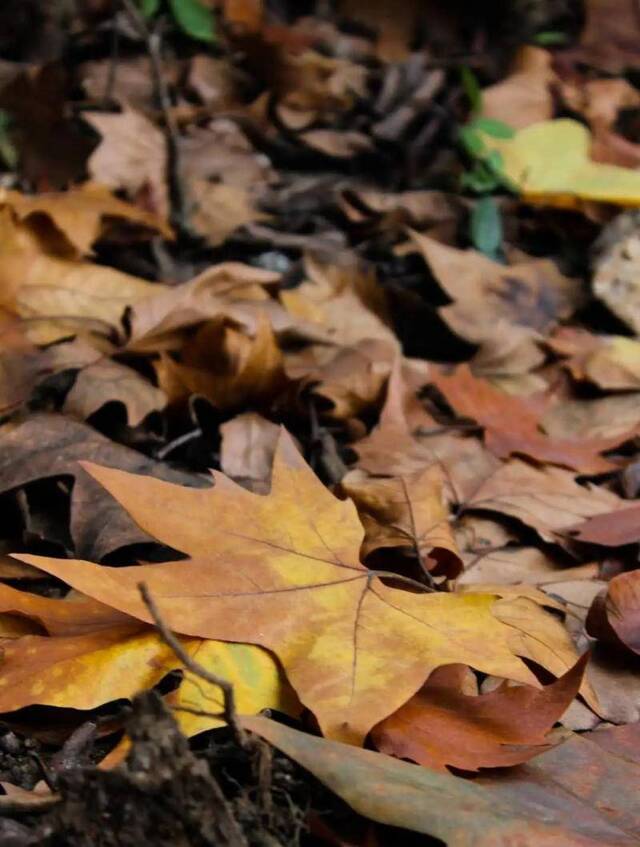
pixel 402 794
pixel 615 264
pixel 612 529
pixel 48 445
pixel 443 726
pixel 131 157
pixel 301 561
pixel 528 297
pixel 614 418
pixel 548 162
pixel 407 512
pixel 600 101
pixel 61 294
pixel 107 381
pixel 511 424
pixel 225 366
pixel 510 565
pixel 548 499
pixel 609 38
pixel 230 289
pixel 349 379
pixel 81 215
pixel 619 610
pixel 246 453
pixel 524 97
pixel 86 671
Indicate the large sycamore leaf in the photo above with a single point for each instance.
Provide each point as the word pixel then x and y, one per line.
pixel 282 571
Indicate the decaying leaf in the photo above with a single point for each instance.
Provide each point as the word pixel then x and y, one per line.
pixel 292 568
pixel 53 445
pixel 486 813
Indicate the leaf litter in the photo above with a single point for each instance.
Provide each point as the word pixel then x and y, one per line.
pixel 319 425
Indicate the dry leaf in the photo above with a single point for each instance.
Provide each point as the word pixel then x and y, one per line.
pixel 511 424
pixel 62 294
pixel 548 500
pixel 81 215
pixel 247 449
pixel 48 445
pixel 85 671
pixel 407 512
pixel 443 726
pixel 107 381
pixel 524 97
pixel 274 567
pixel 132 157
pixel 225 366
pixel 488 812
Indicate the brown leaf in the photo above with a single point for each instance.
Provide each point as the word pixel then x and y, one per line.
pixel 407 512
pixel 132 157
pixel 52 445
pixel 619 610
pixel 230 289
pixel 609 40
pixel 443 726
pixel 80 215
pixel 529 296
pixel 107 381
pixel 511 424
pixel 612 529
pixel 350 379
pixel 247 449
pixel 548 500
pixel 225 366
pixel 525 96
pixel 60 295
pixel 570 783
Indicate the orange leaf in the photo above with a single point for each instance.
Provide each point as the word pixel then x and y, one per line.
pixel 443 726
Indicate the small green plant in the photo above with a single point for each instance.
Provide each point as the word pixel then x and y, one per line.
pixel 8 152
pixel 485 174
pixel 194 18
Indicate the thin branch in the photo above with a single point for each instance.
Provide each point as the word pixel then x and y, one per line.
pixel 229 712
pixel 153 39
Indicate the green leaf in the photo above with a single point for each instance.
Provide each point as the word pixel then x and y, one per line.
pixel 494 128
pixel 194 19
pixel 472 142
pixel 486 227
pixel 471 88
pixel 551 38
pixel 480 180
pixel 8 151
pixel 149 8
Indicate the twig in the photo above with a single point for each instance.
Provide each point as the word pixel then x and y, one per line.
pixel 180 441
pixel 153 40
pixel 229 712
